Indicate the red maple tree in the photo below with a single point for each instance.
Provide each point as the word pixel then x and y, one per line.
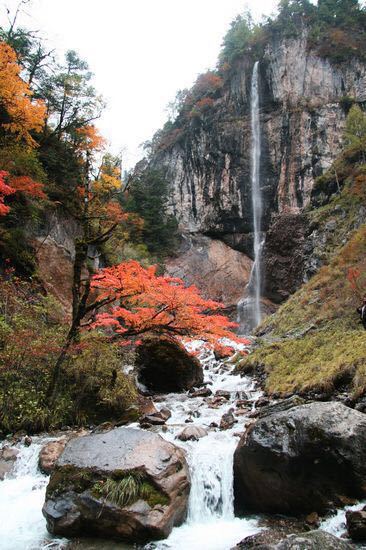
pixel 139 302
pixel 5 190
pixel 28 186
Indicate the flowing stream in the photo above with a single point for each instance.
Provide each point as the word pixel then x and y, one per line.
pixel 210 524
pixel 249 308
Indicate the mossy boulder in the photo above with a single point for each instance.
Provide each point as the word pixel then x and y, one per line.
pixel 166 366
pixel 124 484
pixel 301 460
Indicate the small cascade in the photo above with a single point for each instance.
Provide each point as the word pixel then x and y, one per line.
pixel 21 499
pixel 211 522
pixel 249 308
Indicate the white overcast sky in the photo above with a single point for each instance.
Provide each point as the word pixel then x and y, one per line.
pixel 140 51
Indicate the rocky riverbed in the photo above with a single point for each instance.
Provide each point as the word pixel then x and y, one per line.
pixel 204 426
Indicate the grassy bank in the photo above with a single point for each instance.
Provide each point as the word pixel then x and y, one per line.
pixel 315 340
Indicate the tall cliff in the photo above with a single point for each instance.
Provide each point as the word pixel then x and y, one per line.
pixel 303 99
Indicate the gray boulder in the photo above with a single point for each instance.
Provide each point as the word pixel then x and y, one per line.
pixel 301 460
pixel 124 484
pixel 192 433
pixel 313 540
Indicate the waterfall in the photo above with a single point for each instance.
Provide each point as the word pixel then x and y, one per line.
pixel 256 193
pixel 249 309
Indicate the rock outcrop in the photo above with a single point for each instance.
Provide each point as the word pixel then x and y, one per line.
pixel 165 366
pixel 215 268
pixel 303 111
pixel 124 484
pixel 313 540
pixel 301 460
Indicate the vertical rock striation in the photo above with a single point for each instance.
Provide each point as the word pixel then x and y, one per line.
pixel 302 119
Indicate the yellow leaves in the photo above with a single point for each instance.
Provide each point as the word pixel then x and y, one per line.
pixel 107 182
pixel 21 114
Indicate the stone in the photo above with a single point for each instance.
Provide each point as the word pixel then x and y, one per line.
pixel 301 460
pixel 50 453
pixel 223 393
pixel 356 524
pixel 202 392
pixel 219 271
pixel 147 406
pixel 27 441
pixel 262 402
pixel 165 366
pixel 192 433
pixel 80 497
pixel 312 540
pixel 313 519
pixel 280 406
pixel 8 456
pixel 157 418
pixel 227 420
pixel 165 413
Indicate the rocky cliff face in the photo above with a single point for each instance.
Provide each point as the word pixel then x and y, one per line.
pixel 302 119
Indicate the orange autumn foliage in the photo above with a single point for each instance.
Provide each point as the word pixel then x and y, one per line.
pixel 142 302
pixel 28 186
pixel 5 190
pixel 22 115
pixel 89 139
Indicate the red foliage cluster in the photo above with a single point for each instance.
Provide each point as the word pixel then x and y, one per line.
pixel 5 190
pixel 208 83
pixel 143 302
pixel 27 185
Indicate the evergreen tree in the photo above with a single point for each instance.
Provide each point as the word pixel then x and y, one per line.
pixel 148 197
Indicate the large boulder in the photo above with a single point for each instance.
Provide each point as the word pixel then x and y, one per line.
pixel 124 484
pixel 313 540
pixel 166 366
pixel 301 460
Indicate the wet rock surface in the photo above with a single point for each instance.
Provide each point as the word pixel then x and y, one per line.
pixel 301 460
pixel 356 524
pixel 192 433
pixel 81 497
pixel 165 366
pixel 8 456
pixel 313 540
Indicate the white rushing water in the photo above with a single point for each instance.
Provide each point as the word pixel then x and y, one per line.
pixel 249 308
pixel 211 523
pixel 22 493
